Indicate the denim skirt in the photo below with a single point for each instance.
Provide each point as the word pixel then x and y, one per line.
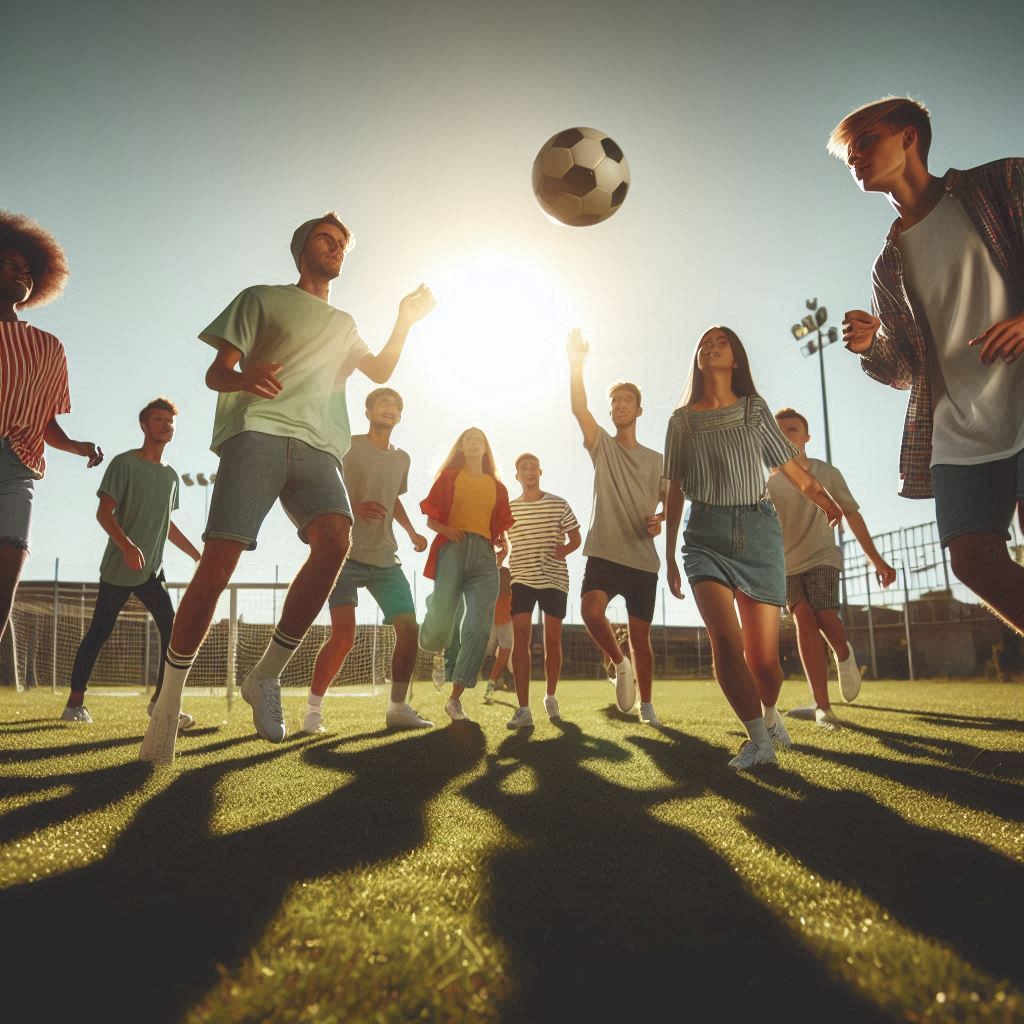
pixel 738 545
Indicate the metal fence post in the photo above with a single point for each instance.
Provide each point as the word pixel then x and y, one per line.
pixel 664 638
pixel 56 617
pixel 906 623
pixel 871 626
pixel 232 641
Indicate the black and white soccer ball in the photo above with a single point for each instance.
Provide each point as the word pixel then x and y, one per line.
pixel 580 177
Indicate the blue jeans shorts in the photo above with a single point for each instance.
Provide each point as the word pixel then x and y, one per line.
pixel 17 486
pixel 256 469
pixel 978 498
pixel 386 583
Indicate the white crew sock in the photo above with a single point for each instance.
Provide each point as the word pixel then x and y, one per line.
pixel 277 655
pixel 395 705
pixel 176 669
pixel 313 701
pixel 758 732
pixel 769 715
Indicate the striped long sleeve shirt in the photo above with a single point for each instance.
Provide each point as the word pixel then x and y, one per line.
pixel 993 197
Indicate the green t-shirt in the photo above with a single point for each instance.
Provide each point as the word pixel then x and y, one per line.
pixel 318 347
pixel 145 494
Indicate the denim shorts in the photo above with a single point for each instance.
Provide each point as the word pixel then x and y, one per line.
pixel 256 469
pixel 738 545
pixel 17 486
pixel 978 498
pixel 386 583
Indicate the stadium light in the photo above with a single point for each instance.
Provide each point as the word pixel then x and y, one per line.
pixel 814 324
pixel 203 481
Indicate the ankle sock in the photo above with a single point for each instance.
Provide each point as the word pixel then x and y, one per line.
pixel 770 715
pixel 176 669
pixel 758 732
pixel 277 655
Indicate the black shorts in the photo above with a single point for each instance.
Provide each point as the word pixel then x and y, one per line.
pixel 552 601
pixel 639 588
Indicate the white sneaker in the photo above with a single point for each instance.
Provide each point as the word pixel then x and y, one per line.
pixel 849 676
pixel 79 714
pixel 551 707
pixel 647 715
pixel 264 697
pixel 184 721
pixel 522 719
pixel 778 733
pixel 313 723
pixel 804 714
pixel 826 719
pixel 751 754
pixel 158 743
pixel 455 712
pixel 625 686
pixel 489 691
pixel 405 717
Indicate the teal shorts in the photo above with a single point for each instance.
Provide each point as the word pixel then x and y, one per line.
pixel 386 583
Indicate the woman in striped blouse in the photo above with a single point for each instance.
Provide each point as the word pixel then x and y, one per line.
pixel 721 441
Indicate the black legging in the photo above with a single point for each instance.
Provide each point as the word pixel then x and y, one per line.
pixel 109 602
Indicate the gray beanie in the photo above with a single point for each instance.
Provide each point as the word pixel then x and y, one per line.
pixel 302 232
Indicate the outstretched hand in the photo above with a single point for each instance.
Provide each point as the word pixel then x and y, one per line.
pixel 1004 341
pixel 416 305
pixel 93 453
pixel 859 330
pixel 576 347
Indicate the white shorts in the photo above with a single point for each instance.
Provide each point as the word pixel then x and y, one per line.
pixel 501 636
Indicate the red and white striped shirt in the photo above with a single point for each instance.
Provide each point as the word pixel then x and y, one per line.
pixel 33 389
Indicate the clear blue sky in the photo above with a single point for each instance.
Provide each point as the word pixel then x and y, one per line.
pixel 173 151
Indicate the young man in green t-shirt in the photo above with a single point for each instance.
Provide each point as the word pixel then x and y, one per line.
pixel 138 493
pixel 281 429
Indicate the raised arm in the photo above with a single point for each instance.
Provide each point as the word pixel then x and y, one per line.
pixel 105 515
pixel 54 436
pixel 182 543
pixel 413 308
pixel 673 501
pixel 884 572
pixel 261 380
pixel 578 349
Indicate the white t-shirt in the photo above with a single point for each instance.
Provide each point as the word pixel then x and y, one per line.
pixel 540 526
pixel 318 347
pixel 958 293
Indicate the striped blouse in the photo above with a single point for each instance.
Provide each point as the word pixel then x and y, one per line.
pixel 33 389
pixel 720 455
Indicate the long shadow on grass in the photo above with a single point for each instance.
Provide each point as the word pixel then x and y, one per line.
pixel 940 885
pixel 610 914
pixel 989 723
pixel 146 927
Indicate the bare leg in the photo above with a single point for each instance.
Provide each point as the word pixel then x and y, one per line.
pixel 403 661
pixel 643 656
pixel 760 624
pixel 522 631
pixel 335 649
pixel 832 626
pixel 12 561
pixel 457 691
pixel 501 657
pixel 812 653
pixel 199 602
pixel 328 537
pixel 552 652
pixel 592 608
pixel 981 561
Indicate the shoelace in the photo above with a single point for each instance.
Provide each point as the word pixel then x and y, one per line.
pixel 273 695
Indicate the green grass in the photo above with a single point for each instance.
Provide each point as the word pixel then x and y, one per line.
pixel 596 870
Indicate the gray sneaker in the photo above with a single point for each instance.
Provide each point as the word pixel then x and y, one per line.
pixel 313 723
pixel 778 733
pixel 184 721
pixel 79 714
pixel 264 697
pixel 803 714
pixel 625 686
pixel 551 707
pixel 849 676
pixel 158 743
pixel 522 719
pixel 405 717
pixel 753 754
pixel 647 715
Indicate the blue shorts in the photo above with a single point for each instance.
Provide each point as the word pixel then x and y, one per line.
pixel 386 583
pixel 978 498
pixel 256 469
pixel 17 486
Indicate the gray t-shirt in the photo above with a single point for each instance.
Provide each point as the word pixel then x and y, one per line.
pixel 145 494
pixel 627 489
pixel 373 475
pixel 806 536
pixel 318 347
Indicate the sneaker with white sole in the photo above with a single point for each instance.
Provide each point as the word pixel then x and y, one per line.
pixel 551 707
pixel 753 754
pixel 647 715
pixel 826 718
pixel 184 721
pixel 405 717
pixel 522 719
pixel 803 714
pixel 264 697
pixel 778 733
pixel 79 714
pixel 454 711
pixel 849 676
pixel 158 743
pixel 313 723
pixel 625 686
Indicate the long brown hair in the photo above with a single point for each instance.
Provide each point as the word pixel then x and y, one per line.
pixel 742 381
pixel 456 458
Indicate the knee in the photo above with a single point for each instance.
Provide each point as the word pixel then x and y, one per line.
pixel 764 667
pixel 406 629
pixel 593 615
pixel 341 641
pixel 972 564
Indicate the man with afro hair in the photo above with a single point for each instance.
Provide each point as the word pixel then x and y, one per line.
pixel 33 388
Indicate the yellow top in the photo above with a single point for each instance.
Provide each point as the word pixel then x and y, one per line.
pixel 473 504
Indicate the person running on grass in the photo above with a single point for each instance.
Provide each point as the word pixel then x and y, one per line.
pixel 33 388
pixel 376 473
pixel 718 444
pixel 813 564
pixel 620 552
pixel 545 533
pixel 138 493
pixel 281 430
pixel 467 508
pixel 948 324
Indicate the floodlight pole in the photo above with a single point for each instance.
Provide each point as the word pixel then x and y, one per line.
pixel 824 399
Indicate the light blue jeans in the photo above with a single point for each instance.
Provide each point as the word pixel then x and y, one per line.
pixel 465 569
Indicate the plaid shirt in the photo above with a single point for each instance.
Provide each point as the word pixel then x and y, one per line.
pixel 993 197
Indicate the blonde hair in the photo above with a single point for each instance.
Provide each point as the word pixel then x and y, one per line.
pixel 456 458
pixel 896 111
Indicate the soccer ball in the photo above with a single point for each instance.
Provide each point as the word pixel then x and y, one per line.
pixel 580 177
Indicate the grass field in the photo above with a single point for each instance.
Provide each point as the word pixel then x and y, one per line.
pixel 590 870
